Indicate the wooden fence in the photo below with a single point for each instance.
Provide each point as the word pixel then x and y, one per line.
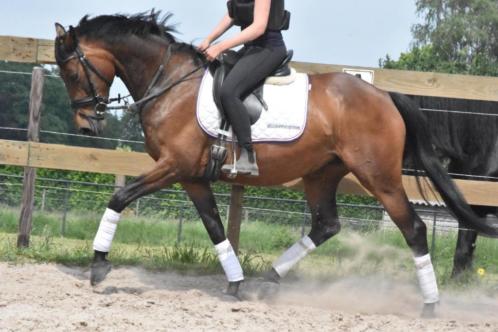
pixel 32 50
pixel 38 155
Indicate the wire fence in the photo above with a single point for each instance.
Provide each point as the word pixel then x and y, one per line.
pixel 63 197
pixel 138 145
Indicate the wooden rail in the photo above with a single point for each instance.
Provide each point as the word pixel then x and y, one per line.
pixel 40 155
pixel 419 83
pixel 28 50
pixel 409 82
pixel 54 156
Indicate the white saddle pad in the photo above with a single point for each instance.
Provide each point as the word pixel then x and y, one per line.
pixel 284 121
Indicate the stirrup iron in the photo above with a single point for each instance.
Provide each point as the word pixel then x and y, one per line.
pixel 233 172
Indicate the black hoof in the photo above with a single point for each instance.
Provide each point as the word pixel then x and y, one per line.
pixel 233 290
pixel 429 311
pixel 99 271
pixel 269 286
pixel 272 276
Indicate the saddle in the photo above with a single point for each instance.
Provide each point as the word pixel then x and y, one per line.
pixel 254 103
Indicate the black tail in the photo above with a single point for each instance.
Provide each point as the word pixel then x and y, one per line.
pixel 418 139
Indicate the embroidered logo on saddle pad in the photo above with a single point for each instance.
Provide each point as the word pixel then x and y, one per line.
pixel 284 120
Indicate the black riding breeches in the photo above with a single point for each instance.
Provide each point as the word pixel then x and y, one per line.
pixel 249 72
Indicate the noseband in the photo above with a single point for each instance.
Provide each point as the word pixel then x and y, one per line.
pixel 94 99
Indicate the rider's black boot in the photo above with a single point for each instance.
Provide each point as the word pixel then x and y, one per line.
pixel 245 165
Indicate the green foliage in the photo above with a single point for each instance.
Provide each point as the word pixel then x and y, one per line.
pixel 80 198
pixel 347 254
pixel 455 37
pixel 57 115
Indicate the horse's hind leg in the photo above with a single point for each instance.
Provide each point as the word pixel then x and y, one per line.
pixel 466 243
pixel 464 252
pixel 159 177
pixel 202 196
pixel 320 188
pixel 385 183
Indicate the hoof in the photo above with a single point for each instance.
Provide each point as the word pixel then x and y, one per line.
pixel 268 290
pixel 429 311
pixel 272 276
pixel 269 286
pixel 99 271
pixel 232 290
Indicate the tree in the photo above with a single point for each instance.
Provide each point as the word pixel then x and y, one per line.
pixel 456 36
pixel 15 84
pixel 131 129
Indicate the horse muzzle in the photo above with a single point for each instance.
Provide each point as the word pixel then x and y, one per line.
pixel 88 123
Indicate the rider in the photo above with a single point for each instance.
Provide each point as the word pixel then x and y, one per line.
pixel 261 23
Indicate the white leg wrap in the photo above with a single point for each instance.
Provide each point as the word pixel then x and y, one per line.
pixel 107 228
pixel 229 261
pixel 293 255
pixel 427 279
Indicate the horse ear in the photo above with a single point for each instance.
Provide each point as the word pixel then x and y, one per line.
pixel 66 41
pixel 59 29
pixel 72 40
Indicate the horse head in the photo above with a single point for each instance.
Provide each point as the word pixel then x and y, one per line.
pixel 87 70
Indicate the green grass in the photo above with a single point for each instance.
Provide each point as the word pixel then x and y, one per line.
pixel 152 243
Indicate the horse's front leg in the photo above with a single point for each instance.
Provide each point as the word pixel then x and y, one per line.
pixel 202 196
pixel 162 175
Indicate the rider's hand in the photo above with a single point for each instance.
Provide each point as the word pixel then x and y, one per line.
pixel 212 52
pixel 204 45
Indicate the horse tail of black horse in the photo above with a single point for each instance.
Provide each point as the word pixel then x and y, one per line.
pixel 419 144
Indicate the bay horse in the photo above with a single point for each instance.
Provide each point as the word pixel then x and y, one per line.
pixel 351 127
pixel 468 143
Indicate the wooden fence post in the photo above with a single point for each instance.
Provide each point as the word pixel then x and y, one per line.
pixel 35 102
pixel 119 182
pixel 235 216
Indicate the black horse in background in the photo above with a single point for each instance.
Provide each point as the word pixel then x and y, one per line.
pixel 466 138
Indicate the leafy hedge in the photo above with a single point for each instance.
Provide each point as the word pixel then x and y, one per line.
pixel 91 192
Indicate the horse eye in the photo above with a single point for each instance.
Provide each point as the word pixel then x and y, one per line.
pixel 74 77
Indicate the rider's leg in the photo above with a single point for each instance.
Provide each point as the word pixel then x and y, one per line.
pixel 249 72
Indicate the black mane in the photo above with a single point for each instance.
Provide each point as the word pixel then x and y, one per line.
pixel 114 28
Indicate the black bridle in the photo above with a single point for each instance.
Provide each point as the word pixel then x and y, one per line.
pixel 101 103
pixel 98 102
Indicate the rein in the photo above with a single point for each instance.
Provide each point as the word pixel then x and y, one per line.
pixel 138 105
pixel 101 103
